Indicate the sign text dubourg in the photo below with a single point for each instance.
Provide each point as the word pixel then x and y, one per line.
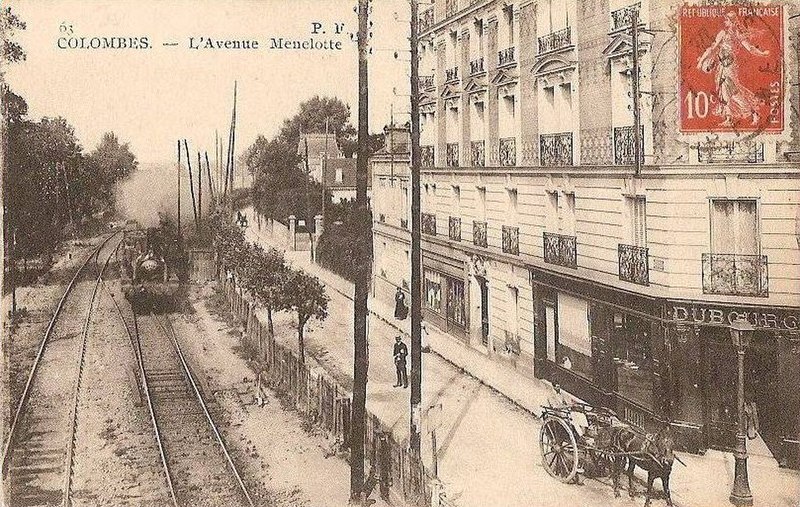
pixel 724 316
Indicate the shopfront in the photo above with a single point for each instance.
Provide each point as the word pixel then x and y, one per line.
pixel 444 294
pixel 656 361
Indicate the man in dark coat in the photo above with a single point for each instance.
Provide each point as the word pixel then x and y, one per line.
pixel 400 353
pixel 400 310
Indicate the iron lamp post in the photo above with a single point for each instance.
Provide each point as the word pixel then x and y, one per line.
pixel 741 333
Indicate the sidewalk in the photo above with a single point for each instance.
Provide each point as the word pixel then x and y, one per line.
pixel 706 481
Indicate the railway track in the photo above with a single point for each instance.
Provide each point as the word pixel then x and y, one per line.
pixel 38 454
pixel 198 468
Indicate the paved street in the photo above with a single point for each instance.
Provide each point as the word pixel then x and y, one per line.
pixel 488 445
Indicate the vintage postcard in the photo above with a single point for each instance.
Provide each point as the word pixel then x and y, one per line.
pixel 459 253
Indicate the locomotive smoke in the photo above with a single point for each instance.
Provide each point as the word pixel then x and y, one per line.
pixel 151 190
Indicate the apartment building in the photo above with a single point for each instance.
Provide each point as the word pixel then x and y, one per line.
pixel 546 247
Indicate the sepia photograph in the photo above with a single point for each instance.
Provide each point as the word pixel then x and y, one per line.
pixel 410 253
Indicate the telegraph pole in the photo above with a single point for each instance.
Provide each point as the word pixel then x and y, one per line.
pixel 360 362
pixel 179 194
pixel 416 242
pixel 637 120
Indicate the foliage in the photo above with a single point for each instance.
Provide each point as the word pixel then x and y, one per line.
pixel 266 276
pixel 312 117
pixel 344 246
pixel 10 23
pixel 108 163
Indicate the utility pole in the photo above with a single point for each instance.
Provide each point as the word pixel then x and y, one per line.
pixel 191 182
pixel 199 190
pixel 360 361
pixel 324 171
pixel 637 120
pixel 308 202
pixel 179 194
pixel 13 271
pixel 416 242
pixel 210 181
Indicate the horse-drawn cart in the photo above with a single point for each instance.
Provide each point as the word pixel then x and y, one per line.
pixel 582 440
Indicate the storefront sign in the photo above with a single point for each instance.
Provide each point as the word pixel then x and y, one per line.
pixel 732 75
pixel 721 316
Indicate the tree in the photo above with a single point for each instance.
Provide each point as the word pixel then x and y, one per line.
pixel 10 23
pixel 270 273
pixel 108 164
pixel 305 295
pixel 312 117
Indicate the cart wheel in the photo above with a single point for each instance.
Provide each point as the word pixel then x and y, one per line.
pixel 559 449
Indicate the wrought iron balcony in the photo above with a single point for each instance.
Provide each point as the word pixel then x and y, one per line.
pixel 454 228
pixel 478 153
pixel 479 234
pixel 425 82
pixel 508 151
pixel 730 151
pixel 511 240
pixel 426 20
pixel 427 156
pixel 634 264
pixel 735 274
pixel 450 8
pixel 429 223
pixel 451 74
pixel 623 18
pixel 476 66
pixel 560 249
pixel 452 154
pixel 404 223
pixel 555 40
pixel 556 149
pixel 506 56
pixel 624 145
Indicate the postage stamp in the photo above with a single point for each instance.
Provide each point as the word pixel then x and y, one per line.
pixel 731 69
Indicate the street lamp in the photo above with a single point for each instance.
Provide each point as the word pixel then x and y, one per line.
pixel 741 333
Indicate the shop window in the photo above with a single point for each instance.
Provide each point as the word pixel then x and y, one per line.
pixel 433 290
pixel 574 347
pixel 456 313
pixel 633 359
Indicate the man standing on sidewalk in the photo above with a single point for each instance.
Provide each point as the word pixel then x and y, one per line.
pixel 400 353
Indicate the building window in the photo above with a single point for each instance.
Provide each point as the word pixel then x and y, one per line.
pixel 633 359
pixel 456 313
pixel 433 290
pixel 574 347
pixel 734 226
pixel 637 220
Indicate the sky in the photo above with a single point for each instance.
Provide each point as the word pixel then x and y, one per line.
pixel 153 97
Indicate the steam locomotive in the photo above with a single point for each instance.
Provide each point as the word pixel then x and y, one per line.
pixel 147 269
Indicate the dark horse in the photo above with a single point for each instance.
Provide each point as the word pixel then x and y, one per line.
pixel 653 453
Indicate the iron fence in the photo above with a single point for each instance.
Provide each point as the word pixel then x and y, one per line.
pixel 555 40
pixel 506 56
pixel 452 154
pixel 560 249
pixel 427 156
pixel 556 149
pixel 623 18
pixel 508 151
pixel 735 274
pixel 454 228
pixel 478 153
pixel 476 66
pixel 634 264
pixel 429 223
pixel 511 240
pixel 479 234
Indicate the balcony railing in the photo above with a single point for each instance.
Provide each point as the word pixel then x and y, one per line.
pixel 623 18
pixel 479 234
pixel 505 56
pixel 454 228
pixel 555 40
pixel 508 151
pixel 451 74
pixel 625 143
pixel 404 223
pixel 450 8
pixel 478 153
pixel 556 149
pixel 560 249
pixel 452 154
pixel 427 156
pixel 511 240
pixel 735 274
pixel 634 264
pixel 730 151
pixel 476 66
pixel 425 82
pixel 426 20
pixel 429 223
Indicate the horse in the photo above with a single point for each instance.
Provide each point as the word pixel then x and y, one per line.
pixel 654 453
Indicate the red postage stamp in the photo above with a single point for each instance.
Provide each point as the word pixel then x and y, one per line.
pixel 731 69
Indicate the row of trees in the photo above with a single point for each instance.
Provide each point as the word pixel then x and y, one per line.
pixel 266 276
pixel 49 184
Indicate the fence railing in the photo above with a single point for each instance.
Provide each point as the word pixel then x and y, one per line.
pixel 560 249
pixel 476 66
pixel 634 264
pixel 427 156
pixel 426 20
pixel 625 145
pixel 454 228
pixel 511 240
pixel 478 153
pixel 508 151
pixel 556 149
pixel 452 154
pixel 479 234
pixel 623 18
pixel 506 56
pixel 555 40
pixel 735 274
pixel 451 74
pixel 425 82
pixel 324 403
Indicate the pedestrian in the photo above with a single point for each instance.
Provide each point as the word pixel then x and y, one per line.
pixel 400 310
pixel 400 353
